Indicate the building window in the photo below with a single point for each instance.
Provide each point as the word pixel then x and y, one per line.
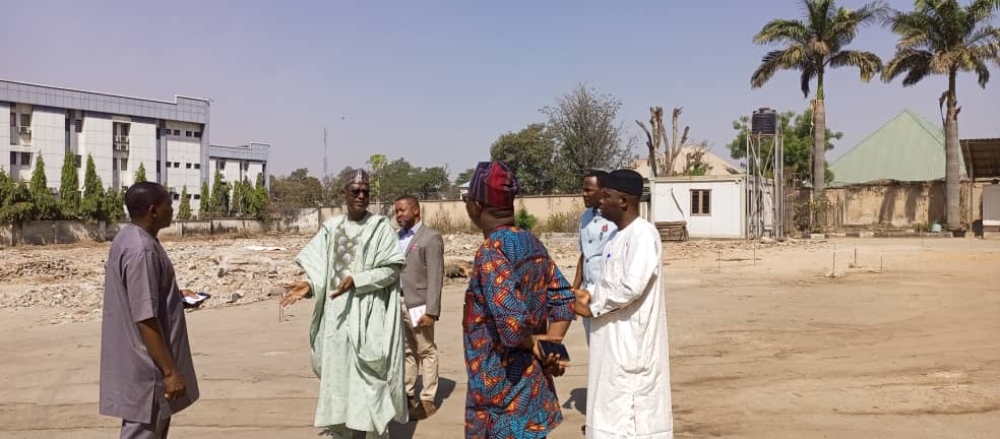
pixel 176 196
pixel 25 120
pixel 188 134
pixel 187 166
pixel 197 196
pixel 79 125
pixel 220 165
pixel 124 166
pixel 157 166
pixel 177 165
pixel 77 160
pixel 13 128
pixel 157 134
pixel 246 166
pixel 701 202
pixel 26 158
pixel 13 158
pixel 197 165
pixel 197 134
pixel 114 165
pixel 67 124
pixel 177 132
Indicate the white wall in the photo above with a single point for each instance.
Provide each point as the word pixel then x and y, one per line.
pixel 725 219
pixel 182 129
pixel 22 170
pixel 991 205
pixel 5 137
pixel 48 139
pixel 255 169
pixel 142 149
pixel 96 140
pixel 183 154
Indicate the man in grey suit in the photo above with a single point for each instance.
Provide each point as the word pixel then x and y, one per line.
pixel 421 278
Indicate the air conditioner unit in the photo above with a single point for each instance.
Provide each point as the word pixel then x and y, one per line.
pixel 24 130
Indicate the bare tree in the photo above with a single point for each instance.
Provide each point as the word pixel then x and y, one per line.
pixel 658 135
pixel 588 133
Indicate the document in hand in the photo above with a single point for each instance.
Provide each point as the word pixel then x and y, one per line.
pixel 201 297
pixel 416 313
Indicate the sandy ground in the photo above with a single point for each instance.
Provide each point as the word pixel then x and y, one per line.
pixel 765 348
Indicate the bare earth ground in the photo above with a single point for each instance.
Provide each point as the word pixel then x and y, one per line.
pixel 771 348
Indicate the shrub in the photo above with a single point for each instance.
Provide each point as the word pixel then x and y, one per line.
pixel 525 220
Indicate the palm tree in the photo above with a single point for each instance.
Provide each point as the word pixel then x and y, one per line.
pixel 811 46
pixel 940 37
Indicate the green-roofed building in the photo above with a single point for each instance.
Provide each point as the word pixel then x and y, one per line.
pixel 907 148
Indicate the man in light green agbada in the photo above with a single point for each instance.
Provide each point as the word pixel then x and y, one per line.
pixel 352 266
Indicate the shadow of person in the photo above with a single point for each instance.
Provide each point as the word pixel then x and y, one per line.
pixel 577 400
pixel 406 431
pixel 445 388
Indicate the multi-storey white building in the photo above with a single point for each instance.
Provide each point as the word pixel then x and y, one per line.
pixel 169 139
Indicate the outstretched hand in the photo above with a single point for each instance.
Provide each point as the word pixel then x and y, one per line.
pixel 295 291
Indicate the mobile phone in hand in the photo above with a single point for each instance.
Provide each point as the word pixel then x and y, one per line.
pixel 551 347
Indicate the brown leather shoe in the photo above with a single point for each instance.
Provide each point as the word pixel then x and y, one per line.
pixel 428 408
pixel 416 412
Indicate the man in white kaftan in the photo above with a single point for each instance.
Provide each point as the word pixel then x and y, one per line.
pixel 628 383
pixel 356 336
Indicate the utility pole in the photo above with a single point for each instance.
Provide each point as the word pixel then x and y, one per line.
pixel 326 172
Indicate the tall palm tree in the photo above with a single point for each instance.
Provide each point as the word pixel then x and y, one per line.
pixel 940 37
pixel 810 47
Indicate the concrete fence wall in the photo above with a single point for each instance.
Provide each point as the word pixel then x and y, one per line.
pixel 896 205
pixel 875 205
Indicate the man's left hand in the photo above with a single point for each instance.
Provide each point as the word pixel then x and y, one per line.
pixel 345 285
pixel 425 321
pixel 192 295
pixel 552 364
pixel 582 304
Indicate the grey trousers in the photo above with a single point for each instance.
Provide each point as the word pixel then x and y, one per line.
pixel 136 430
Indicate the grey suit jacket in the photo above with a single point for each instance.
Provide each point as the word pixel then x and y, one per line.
pixel 423 275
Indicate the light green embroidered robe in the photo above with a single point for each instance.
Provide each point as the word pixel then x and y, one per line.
pixel 357 337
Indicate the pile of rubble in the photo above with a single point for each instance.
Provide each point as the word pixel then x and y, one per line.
pixel 236 271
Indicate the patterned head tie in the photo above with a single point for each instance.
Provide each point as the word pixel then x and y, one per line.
pixel 494 185
pixel 358 176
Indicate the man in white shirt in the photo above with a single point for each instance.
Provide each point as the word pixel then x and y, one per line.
pixel 595 232
pixel 628 383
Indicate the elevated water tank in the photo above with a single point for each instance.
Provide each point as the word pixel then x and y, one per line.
pixel 764 121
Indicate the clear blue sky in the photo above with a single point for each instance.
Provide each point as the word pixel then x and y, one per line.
pixel 437 82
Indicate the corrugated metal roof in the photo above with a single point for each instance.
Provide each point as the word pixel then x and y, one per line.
pixel 982 157
pixel 907 148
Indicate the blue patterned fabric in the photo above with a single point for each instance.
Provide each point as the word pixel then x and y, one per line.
pixel 514 291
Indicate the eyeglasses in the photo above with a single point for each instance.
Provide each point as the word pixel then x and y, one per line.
pixel 358 192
